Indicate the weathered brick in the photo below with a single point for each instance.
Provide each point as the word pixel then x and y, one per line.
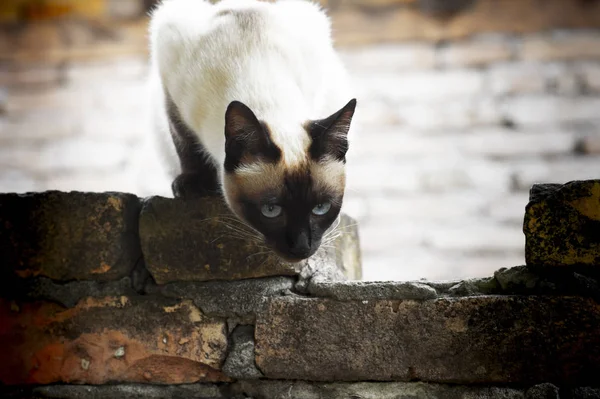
pixel 476 52
pixel 561 46
pixel 372 390
pixel 215 245
pixel 501 142
pixel 430 173
pixel 550 109
pixel 457 114
pixel 117 70
pixel 562 223
pixel 590 75
pixel 31 76
pixel 36 126
pixel 589 145
pixel 389 57
pixel 528 172
pixel 516 78
pixel 486 339
pixel 421 86
pixel 109 339
pixel 69 236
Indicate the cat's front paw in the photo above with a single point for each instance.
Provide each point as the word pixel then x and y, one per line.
pixel 193 185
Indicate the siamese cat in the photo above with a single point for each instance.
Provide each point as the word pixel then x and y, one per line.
pixel 257 106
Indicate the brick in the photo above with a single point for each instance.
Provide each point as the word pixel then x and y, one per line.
pixel 457 114
pixel 561 79
pixel 516 78
pixel 589 145
pixel 38 126
pixel 561 46
pixel 421 86
pixel 536 170
pixel 215 245
pixel 550 109
pixel 109 340
pixel 31 76
pixel 427 207
pixel 506 143
pixel 388 57
pixel 111 71
pixel 507 209
pixel 590 75
pixel 236 300
pixel 430 173
pixel 375 390
pixel 476 52
pixel 398 22
pixel 561 224
pixel 69 236
pixel 444 340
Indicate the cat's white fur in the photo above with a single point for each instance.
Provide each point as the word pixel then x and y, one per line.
pixel 277 58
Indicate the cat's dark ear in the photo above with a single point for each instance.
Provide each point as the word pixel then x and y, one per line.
pixel 247 140
pixel 330 135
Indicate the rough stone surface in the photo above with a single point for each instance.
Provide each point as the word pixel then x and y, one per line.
pixel 129 391
pixel 68 236
pixel 585 393
pixel 562 225
pixel 485 339
pixel 240 361
pixel 112 339
pixel 542 391
pixel 365 290
pixel 215 245
pixel 240 300
pixel 370 390
pixel 66 294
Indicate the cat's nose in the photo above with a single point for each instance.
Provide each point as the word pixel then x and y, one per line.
pixel 299 245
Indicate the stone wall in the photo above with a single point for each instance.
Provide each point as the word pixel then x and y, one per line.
pixel 458 115
pixel 109 296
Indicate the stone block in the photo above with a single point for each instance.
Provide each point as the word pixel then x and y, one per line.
pixel 240 360
pixel 389 57
pixel 367 290
pixel 545 110
pixel 69 236
pixel 117 391
pixel 370 390
pixel 562 224
pixel 421 85
pixel 476 52
pixel 201 240
pixel 516 78
pixel 239 300
pixel 589 72
pixel 561 46
pixel 476 340
pixel 109 340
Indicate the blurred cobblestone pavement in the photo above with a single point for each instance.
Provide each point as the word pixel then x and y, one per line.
pixel 450 135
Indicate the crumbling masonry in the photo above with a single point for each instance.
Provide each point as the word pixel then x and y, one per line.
pixel 107 295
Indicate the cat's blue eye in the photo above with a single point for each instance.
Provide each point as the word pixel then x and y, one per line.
pixel 270 210
pixel 322 208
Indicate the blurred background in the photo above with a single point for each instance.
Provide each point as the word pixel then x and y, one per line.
pixel 463 105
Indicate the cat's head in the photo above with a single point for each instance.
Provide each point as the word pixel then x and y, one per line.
pixel 290 195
